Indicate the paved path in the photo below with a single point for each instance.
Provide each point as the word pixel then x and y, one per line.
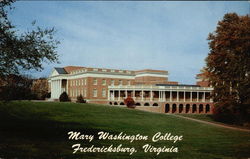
pixel 215 124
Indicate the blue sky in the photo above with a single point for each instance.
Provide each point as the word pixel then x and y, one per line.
pixel 129 35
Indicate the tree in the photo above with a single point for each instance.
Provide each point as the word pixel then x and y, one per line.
pixel 23 51
pixel 129 102
pixel 40 88
pixel 64 97
pixel 17 88
pixel 80 99
pixel 228 67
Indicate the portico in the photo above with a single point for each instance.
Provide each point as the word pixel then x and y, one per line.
pixel 172 98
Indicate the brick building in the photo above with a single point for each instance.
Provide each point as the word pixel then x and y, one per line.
pixel 151 89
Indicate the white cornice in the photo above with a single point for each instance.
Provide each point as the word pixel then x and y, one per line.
pixel 91 74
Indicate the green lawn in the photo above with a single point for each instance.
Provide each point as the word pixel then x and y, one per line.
pixel 205 117
pixel 39 130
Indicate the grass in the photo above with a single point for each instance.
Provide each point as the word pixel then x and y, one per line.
pixel 204 117
pixel 39 130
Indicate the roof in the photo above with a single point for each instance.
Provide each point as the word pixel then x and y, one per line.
pixel 186 85
pixel 151 71
pixel 60 70
pixel 69 69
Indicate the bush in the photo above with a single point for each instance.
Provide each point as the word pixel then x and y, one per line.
pixel 80 99
pixel 64 97
pixel 16 87
pixel 130 103
pixel 232 113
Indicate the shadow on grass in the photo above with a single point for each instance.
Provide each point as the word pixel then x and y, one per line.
pixel 38 137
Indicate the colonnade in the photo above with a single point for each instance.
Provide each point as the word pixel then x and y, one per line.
pixel 161 95
pixel 56 88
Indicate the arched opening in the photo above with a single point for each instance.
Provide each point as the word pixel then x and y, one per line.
pixel 173 108
pixel 146 104
pixel 121 103
pixel 201 108
pixel 194 108
pixel 180 108
pixel 207 108
pixel 110 103
pixel 155 104
pixel 115 103
pixel 187 108
pixel 138 104
pixel 167 108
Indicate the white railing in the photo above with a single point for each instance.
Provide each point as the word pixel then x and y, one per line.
pixel 164 88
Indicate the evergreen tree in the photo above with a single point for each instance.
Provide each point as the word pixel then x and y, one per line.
pixel 64 97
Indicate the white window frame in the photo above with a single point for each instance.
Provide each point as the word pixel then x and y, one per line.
pixel 95 81
pixel 103 92
pixel 104 82
pixel 95 92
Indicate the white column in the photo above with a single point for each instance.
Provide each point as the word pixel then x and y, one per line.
pixel 56 88
pixel 134 94
pixel 119 94
pixel 177 96
pixel 170 96
pixel 142 97
pixel 204 96
pixel 108 94
pixel 197 96
pixel 184 96
pixel 126 93
pixel 113 95
pixel 164 96
pixel 159 95
pixel 191 96
pixel 67 86
pixel 52 89
pixel 151 95
pixel 60 87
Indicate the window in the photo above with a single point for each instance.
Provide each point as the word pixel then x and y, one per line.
pixel 129 83
pixel 103 92
pixel 74 82
pixel 85 81
pixel 103 82
pixel 85 92
pixel 95 69
pixel 82 81
pixel 112 82
pixel 104 70
pixel 95 93
pixel 95 82
pixel 120 82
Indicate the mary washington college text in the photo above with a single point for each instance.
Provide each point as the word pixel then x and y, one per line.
pixel 122 136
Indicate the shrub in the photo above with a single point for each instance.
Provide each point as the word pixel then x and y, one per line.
pixel 80 99
pixel 130 103
pixel 64 97
pixel 232 113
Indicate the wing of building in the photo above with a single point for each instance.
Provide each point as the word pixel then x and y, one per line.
pixel 151 89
